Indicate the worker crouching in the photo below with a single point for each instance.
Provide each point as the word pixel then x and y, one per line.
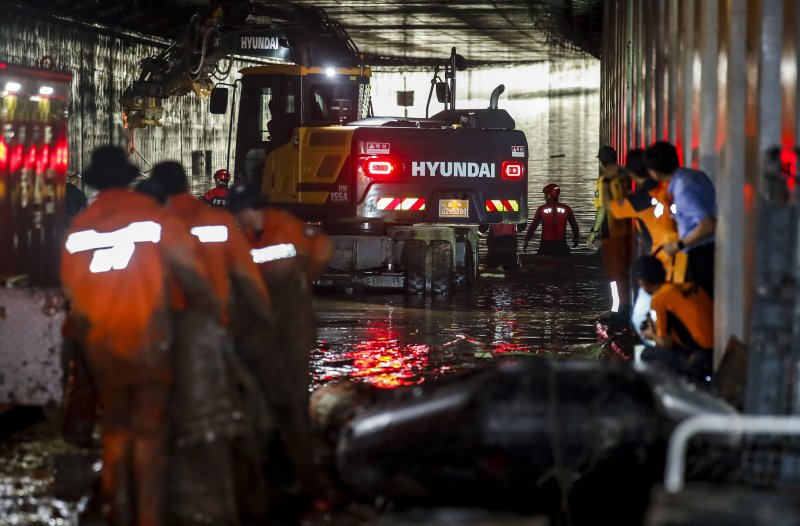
pixel 290 255
pixel 681 322
pixel 120 255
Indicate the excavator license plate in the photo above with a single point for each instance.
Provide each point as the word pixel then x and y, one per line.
pixel 453 208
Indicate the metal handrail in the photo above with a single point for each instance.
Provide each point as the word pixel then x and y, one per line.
pixel 731 425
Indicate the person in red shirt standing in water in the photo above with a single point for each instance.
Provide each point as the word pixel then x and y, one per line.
pixel 218 196
pixel 554 217
pixel 501 245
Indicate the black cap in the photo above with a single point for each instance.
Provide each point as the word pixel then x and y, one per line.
pixel 607 155
pixel 245 195
pixel 109 168
pixel 636 163
pixel 152 188
pixel 662 157
pixel 171 176
pixel 649 269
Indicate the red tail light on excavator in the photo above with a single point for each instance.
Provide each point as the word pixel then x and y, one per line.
pixel 382 167
pixel 512 170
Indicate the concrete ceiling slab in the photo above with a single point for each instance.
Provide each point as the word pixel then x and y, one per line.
pixel 389 32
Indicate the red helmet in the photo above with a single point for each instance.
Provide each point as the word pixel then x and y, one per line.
pixel 222 177
pixel 552 189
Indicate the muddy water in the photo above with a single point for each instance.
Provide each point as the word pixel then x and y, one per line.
pixel 547 307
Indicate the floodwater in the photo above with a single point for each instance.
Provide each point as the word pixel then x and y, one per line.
pixel 548 307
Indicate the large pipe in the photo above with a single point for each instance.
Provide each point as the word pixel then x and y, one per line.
pixel 730 425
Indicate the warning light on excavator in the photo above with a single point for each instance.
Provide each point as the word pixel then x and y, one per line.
pixel 380 167
pixel 512 170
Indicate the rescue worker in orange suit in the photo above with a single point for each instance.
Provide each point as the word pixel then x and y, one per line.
pixel 649 206
pixel 290 255
pixel 218 196
pixel 681 322
pixel 554 217
pixel 204 403
pixel 118 260
pixel 616 235
pixel 501 245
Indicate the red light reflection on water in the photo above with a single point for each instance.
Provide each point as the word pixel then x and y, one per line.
pixel 386 363
pixel 507 347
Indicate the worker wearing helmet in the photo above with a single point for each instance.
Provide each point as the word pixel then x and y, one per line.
pixel 290 255
pixel 218 196
pixel 554 217
pixel 119 258
pixel 203 404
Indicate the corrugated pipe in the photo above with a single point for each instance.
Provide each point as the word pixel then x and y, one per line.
pixel 710 424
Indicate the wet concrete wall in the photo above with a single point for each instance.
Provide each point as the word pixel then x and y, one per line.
pixel 717 78
pixel 103 63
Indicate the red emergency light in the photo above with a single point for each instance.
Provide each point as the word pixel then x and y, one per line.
pixel 30 159
pixel 512 170
pixel 60 157
pixel 15 159
pixel 43 160
pixel 381 167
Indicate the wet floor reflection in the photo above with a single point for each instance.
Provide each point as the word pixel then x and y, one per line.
pixel 546 308
pixel 391 340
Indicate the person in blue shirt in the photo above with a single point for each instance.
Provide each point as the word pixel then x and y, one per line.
pixel 694 207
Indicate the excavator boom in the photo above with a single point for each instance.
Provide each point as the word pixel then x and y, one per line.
pixel 296 35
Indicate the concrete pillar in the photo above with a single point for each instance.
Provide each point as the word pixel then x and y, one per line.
pixel 673 19
pixel 650 33
pixel 630 114
pixel 769 77
pixel 797 76
pixel 640 49
pixel 729 273
pixel 709 31
pixel 687 79
pixel 797 73
pixel 659 68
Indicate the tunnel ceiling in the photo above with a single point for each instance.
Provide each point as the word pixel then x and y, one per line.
pixel 390 32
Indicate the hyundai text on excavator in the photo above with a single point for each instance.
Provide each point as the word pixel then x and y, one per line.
pixel 400 197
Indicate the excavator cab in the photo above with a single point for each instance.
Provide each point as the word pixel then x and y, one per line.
pixel 290 131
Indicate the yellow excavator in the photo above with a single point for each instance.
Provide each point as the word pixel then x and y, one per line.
pixel 401 197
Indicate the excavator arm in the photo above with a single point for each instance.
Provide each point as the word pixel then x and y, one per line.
pixel 204 55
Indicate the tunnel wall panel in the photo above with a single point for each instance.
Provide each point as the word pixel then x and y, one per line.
pixel 717 78
pixel 103 63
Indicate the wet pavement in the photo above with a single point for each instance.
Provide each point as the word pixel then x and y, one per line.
pixel 548 307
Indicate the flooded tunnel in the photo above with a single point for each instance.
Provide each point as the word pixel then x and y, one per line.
pixel 515 397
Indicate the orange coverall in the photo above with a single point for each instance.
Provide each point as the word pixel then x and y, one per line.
pixel 656 219
pixel 118 258
pixel 205 394
pixel 229 263
pixel 290 255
